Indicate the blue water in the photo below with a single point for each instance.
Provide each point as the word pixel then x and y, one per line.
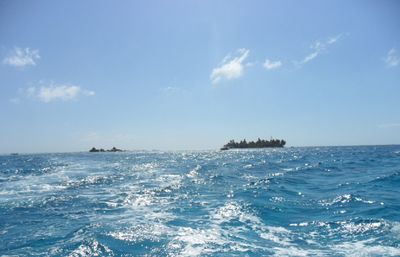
pixel 327 201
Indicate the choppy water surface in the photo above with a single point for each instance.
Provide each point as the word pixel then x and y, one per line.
pixel 328 201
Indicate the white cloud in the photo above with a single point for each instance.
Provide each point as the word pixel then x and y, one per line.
pixel 57 93
pixel 270 65
pixel 231 67
pixel 22 57
pixel 392 59
pixel 319 47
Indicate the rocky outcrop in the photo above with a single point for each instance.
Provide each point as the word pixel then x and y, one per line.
pixel 114 149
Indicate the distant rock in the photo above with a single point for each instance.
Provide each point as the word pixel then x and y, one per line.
pixel 114 149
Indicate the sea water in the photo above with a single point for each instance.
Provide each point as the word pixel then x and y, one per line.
pixel 325 201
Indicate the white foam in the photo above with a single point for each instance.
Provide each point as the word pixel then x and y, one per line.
pixel 344 199
pixel 195 242
pixel 217 236
pixel 339 199
pixel 31 186
pixel 143 200
pixel 278 235
pixel 363 248
pixel 288 169
pixel 94 248
pixel 172 181
pixel 358 199
pixel 351 227
pixel 396 229
pixel 249 177
pixel 277 199
pixel 86 181
pixel 138 198
pixel 145 167
pixel 198 236
pixel 293 251
pixel 139 233
pixel 227 212
pixel 233 210
pixel 301 224
pixel 195 172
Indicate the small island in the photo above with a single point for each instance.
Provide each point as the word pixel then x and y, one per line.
pixel 95 150
pixel 260 143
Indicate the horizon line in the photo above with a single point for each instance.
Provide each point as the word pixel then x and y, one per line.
pixel 199 150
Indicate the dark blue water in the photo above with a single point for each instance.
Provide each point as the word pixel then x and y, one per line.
pixel 328 201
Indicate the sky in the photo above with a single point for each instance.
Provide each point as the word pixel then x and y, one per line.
pixel 191 75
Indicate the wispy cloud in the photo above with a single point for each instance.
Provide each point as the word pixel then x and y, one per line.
pixel 319 47
pixel 59 92
pixel 270 65
pixel 389 125
pixel 310 57
pixel 392 58
pixel 15 100
pixel 231 67
pixel 22 57
pixel 173 92
pixel 333 39
pixel 52 92
pixel 170 90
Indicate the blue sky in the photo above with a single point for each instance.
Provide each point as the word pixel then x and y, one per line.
pixel 194 74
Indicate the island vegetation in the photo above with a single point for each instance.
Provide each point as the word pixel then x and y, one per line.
pixel 114 149
pixel 260 143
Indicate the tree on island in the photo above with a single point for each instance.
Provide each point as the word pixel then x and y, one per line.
pixel 260 143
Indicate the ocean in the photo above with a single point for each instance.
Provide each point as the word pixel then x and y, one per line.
pixel 311 201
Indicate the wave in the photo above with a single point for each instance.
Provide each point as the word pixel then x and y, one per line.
pixel 289 202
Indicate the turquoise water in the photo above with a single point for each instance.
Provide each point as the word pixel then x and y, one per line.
pixel 327 201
